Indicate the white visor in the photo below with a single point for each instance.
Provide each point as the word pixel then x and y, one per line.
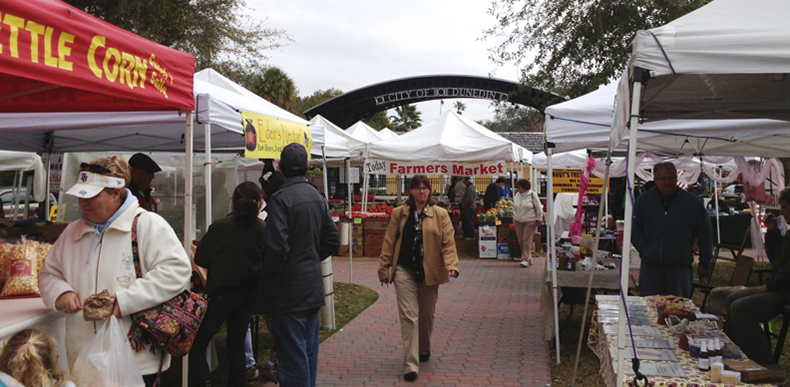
pixel 89 184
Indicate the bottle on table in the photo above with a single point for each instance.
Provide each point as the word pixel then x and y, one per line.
pixel 717 350
pixel 704 359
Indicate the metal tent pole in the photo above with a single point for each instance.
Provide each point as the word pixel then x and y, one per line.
pixel 625 263
pixel 188 141
pixel 552 252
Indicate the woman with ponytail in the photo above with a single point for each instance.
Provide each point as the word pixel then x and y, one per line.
pixel 28 359
pixel 232 251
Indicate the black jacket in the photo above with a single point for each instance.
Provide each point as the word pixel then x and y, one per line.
pixel 491 196
pixel 233 254
pixel 300 234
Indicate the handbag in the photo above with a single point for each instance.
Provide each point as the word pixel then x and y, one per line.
pixel 171 325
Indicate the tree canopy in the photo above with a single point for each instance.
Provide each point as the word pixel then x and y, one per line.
pixel 577 44
pixel 406 118
pixel 220 34
pixel 275 86
pixel 318 97
pixel 515 118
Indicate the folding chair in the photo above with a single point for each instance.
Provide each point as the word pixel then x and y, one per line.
pixel 740 277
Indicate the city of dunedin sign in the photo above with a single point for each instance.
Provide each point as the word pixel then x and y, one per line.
pixel 405 96
pixel 360 104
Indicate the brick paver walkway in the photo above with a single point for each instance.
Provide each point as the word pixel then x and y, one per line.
pixel 487 332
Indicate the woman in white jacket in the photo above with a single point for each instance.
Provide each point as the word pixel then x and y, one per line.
pixel 95 253
pixel 527 216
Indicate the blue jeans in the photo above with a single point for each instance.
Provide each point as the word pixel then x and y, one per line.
pixel 467 222
pixel 237 310
pixel 296 342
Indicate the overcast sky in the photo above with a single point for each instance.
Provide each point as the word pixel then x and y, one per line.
pixel 350 44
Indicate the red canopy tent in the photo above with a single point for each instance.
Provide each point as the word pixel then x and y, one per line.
pixel 57 58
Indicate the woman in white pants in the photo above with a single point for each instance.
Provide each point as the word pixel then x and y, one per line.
pixel 527 216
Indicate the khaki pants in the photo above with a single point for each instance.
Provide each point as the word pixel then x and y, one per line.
pixel 526 235
pixel 416 307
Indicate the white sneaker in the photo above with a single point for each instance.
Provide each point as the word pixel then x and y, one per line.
pixel 524 263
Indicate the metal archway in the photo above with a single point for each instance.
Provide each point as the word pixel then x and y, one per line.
pixel 347 109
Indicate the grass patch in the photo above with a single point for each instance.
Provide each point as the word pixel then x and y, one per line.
pixel 350 301
pixel 587 374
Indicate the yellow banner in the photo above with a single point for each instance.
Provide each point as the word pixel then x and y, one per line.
pixel 266 136
pixel 568 180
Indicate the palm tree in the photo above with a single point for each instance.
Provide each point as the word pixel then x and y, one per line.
pixel 459 107
pixel 407 118
pixel 275 86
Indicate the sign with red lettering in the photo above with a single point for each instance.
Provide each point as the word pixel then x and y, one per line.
pixel 381 167
pixel 56 58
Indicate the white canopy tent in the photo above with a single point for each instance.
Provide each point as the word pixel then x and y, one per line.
pixel 449 137
pixel 387 134
pixel 338 142
pixel 585 122
pixel 728 59
pixel 364 132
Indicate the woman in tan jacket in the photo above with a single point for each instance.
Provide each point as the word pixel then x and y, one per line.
pixel 418 255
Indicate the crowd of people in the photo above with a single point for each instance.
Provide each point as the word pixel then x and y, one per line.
pixel 265 257
pixel 272 267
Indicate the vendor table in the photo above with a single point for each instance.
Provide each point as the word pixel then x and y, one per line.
pixel 600 342
pixel 603 279
pixel 23 313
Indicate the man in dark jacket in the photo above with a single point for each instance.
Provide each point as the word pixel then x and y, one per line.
pixel 492 195
pixel 750 307
pixel 666 222
pixel 300 234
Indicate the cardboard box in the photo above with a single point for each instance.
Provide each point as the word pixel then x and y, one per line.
pixel 502 251
pixel 357 230
pixel 374 240
pixel 502 233
pixel 357 241
pixel 343 250
pixel 487 242
pixel 752 372
pixel 376 224
pixel 372 251
pixel 357 251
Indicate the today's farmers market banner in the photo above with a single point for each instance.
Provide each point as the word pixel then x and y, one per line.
pixel 382 167
pixel 266 136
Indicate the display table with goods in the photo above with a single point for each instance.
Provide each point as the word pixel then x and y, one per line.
pixel 672 340
pixel 494 231
pixel 606 277
pixel 20 300
pixel 367 229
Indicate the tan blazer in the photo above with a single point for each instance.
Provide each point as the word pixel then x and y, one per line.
pixel 438 238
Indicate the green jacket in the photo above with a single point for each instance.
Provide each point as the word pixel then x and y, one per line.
pixel 666 238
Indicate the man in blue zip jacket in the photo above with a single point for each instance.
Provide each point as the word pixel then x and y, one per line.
pixel 667 220
pixel 300 233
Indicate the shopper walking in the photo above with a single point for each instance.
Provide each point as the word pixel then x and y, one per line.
pixel 418 255
pixel 527 216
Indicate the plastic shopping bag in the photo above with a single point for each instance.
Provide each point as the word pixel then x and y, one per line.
pixel 108 360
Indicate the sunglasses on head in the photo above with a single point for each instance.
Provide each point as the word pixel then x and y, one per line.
pixel 94 168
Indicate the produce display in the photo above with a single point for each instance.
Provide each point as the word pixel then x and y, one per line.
pixel 375 210
pixel 20 264
pixel 502 210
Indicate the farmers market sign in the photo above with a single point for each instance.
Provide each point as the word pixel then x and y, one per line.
pixel 381 167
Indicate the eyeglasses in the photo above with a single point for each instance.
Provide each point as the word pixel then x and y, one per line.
pixel 94 168
pixel 421 189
